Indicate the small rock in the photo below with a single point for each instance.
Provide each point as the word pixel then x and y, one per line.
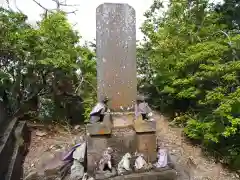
pixel 32 176
pixel 77 170
pixel 51 172
pixel 41 133
pixel 77 127
pixel 237 176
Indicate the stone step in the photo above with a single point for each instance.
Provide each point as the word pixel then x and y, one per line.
pixel 152 175
pixel 7 146
pixel 15 169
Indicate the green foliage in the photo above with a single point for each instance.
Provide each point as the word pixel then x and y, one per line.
pixel 40 68
pixel 196 66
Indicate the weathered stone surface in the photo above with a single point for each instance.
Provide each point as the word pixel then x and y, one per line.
pixel 95 147
pixel 122 121
pixel 116 54
pixel 146 144
pixel 121 142
pixel 103 128
pixel 50 163
pixel 141 126
pixel 98 129
pixel 164 175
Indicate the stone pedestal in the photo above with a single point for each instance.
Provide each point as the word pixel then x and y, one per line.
pixel 146 139
pixel 95 146
pixel 121 141
pixel 98 135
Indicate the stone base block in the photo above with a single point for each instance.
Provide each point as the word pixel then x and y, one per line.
pixel 146 144
pixel 95 147
pixel 98 129
pixel 120 142
pixel 152 175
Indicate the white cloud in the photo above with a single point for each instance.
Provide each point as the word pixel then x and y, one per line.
pixel 86 14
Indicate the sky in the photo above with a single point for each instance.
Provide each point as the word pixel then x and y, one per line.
pixel 85 16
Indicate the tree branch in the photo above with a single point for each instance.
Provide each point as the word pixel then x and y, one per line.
pixel 46 9
pixel 64 4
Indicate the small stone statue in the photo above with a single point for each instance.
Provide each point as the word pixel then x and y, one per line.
pixel 162 158
pixel 140 162
pixel 142 109
pixel 124 164
pixel 106 160
pixel 98 111
pixel 105 168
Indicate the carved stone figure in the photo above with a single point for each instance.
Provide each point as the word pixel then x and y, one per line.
pixel 98 111
pixel 142 109
pixel 162 158
pixel 124 164
pixel 105 162
pixel 140 162
pixel 105 167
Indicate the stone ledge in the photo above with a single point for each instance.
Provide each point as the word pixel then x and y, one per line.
pixel 151 175
pixel 122 121
pixel 98 129
pixel 141 126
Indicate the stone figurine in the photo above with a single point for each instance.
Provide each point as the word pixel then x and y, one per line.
pixel 105 167
pixel 98 111
pixel 140 162
pixel 142 109
pixel 124 164
pixel 162 158
pixel 106 160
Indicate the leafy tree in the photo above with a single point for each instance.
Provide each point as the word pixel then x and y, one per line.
pixel 195 59
pixel 230 10
pixel 40 67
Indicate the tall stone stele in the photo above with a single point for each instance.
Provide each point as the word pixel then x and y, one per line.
pixel 116 54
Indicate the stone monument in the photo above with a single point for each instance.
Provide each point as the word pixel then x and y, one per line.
pixel 116 74
pixel 116 54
